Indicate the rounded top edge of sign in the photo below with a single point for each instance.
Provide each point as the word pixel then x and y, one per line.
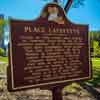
pixel 52 12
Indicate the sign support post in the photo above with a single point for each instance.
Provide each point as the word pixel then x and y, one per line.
pixel 57 93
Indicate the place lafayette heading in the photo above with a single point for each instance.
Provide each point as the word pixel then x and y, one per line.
pixel 41 29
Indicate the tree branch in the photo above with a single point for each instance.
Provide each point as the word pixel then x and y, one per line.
pixel 68 5
pixel 55 1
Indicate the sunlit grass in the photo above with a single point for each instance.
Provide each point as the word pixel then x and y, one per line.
pixel 4 59
pixel 96 62
pixel 95 81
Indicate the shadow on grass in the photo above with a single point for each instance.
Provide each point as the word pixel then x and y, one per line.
pixel 96 78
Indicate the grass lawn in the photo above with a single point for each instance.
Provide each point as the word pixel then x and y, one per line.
pixel 96 72
pixel 3 59
pixel 96 62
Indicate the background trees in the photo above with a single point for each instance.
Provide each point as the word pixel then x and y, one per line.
pixel 3 24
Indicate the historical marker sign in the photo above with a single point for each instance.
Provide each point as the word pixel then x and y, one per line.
pixel 50 50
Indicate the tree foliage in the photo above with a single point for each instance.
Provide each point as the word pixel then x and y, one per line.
pixel 2 25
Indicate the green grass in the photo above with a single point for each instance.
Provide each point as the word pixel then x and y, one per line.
pixel 3 59
pixel 96 62
pixel 95 81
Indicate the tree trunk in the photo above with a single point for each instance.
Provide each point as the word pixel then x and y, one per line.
pixel 68 5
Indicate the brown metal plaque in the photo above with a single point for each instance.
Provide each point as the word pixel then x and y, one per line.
pixel 47 51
